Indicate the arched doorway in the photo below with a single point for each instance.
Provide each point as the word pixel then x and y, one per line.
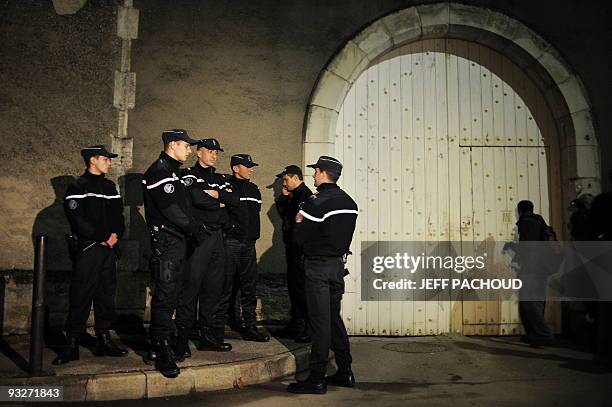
pixel 488 116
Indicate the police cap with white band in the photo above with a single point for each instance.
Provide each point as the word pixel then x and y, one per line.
pixel 177 135
pixel 327 163
pixel 244 159
pixel 93 151
pixel 210 144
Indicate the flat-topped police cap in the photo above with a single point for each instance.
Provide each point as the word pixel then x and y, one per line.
pixel 291 170
pixel 93 151
pixel 244 159
pixel 210 144
pixel 176 135
pixel 327 163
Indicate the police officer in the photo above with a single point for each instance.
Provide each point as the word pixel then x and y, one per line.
pixel 205 275
pixel 94 210
pixel 294 192
pixel 240 245
pixel 169 216
pixel 324 228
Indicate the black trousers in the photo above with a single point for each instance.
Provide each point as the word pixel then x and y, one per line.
pixel 203 282
pixel 295 281
pixel 94 279
pixel 532 312
pixel 241 275
pixel 167 265
pixel 324 289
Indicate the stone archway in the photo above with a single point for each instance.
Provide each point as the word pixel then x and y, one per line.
pixel 579 168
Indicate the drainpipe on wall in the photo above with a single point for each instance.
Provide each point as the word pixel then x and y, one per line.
pixel 124 97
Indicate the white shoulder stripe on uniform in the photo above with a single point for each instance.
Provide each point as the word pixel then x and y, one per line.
pixel 251 199
pixel 158 183
pixel 93 195
pixel 328 214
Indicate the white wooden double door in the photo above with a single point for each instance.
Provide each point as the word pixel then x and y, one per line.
pixel 436 147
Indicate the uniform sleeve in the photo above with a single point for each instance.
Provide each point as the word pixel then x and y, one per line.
pixel 74 208
pixel 116 210
pixel 201 199
pixel 258 197
pixel 308 228
pixel 228 195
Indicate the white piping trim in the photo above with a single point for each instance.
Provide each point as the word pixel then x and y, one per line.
pixel 250 199
pixel 94 195
pixel 333 161
pixel 328 214
pixel 158 183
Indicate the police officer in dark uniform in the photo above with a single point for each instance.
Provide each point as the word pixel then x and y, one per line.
pixel 324 228
pixel 294 192
pixel 205 275
pixel 241 259
pixel 94 210
pixel 168 212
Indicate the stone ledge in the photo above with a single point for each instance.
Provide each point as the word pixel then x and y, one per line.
pixel 140 384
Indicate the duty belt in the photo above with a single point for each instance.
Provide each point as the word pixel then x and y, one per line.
pixel 168 229
pixel 343 257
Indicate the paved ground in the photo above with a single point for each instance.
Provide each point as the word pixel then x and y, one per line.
pixel 437 371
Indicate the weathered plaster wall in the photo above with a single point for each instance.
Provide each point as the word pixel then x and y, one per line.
pixel 56 76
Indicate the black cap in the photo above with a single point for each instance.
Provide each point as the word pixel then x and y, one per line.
pixel 327 163
pixel 244 159
pixel 92 151
pixel 292 170
pixel 210 144
pixel 177 134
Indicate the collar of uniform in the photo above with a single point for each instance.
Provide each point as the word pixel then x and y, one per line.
pixel 238 180
pixel 300 187
pixel 91 176
pixel 170 160
pixel 327 185
pixel 199 167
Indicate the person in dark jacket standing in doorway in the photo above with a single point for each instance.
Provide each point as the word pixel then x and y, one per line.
pixel 94 210
pixel 171 222
pixel 293 194
pixel 241 269
pixel 324 229
pixel 532 295
pixel 205 271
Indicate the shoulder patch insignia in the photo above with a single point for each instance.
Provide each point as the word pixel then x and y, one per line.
pixel 168 188
pixel 188 181
pixel 72 204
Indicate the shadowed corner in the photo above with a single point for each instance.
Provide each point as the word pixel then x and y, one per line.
pixel 133 279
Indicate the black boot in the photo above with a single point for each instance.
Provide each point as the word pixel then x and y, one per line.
pixel 343 377
pixel 164 362
pixel 181 348
pixel 251 333
pixel 209 341
pixel 70 352
pixel 308 386
pixel 106 347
